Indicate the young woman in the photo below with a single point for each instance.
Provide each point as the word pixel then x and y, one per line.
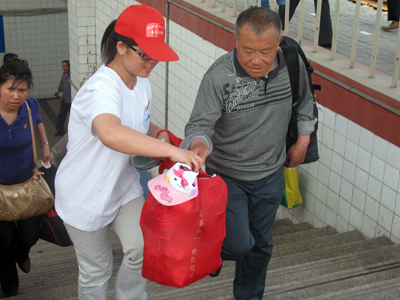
pixel 16 164
pixel 96 187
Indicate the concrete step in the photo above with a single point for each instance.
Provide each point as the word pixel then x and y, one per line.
pixel 334 274
pixel 307 263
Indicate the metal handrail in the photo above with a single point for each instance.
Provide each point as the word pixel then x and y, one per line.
pixel 335 31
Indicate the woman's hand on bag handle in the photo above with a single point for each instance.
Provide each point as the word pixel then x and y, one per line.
pixel 188 157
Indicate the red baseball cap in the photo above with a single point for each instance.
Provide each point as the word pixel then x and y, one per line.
pixel 146 26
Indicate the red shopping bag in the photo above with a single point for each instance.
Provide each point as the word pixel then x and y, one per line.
pixel 182 243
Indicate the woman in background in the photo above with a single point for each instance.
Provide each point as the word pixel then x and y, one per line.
pixel 16 165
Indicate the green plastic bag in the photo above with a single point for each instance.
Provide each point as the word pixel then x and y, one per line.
pixel 291 194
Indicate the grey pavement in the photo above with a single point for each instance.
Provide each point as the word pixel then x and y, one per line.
pixel 387 39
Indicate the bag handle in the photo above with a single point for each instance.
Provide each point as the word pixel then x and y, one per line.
pixel 32 134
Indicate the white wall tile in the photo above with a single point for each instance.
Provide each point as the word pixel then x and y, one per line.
pixel 361 179
pixel 380 147
pixel 369 227
pixel 346 190
pixel 351 152
pixel 339 144
pixel 358 199
pixel 327 137
pixel 393 156
pixel 337 163
pixel 396 227
pixel 366 139
pixel 388 198
pixel 329 118
pixel 356 218
pixel 322 192
pixel 341 125
pixel 330 218
pixel 385 218
pixel 325 155
pixel 364 159
pixel 372 208
pixel 391 176
pixel 341 224
pixel 334 182
pixel 353 132
pixel 374 188
pixel 349 171
pixel 332 200
pixel 323 174
pixel 377 169
pixel 344 209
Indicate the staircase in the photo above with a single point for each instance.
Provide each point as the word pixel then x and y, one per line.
pixel 307 263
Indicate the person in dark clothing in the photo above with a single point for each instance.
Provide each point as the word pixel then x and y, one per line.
pixel 65 88
pixel 393 14
pixel 16 164
pixel 325 32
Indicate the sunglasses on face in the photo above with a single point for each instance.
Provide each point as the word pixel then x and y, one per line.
pixel 144 56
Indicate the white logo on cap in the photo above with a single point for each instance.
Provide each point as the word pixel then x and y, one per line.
pixel 155 30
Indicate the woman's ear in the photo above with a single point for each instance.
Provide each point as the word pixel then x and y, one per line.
pixel 121 48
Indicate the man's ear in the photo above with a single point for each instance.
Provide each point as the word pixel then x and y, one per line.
pixel 280 40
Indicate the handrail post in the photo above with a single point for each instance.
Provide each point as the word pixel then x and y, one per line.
pixel 376 39
pixel 355 34
pixel 396 62
pixel 317 25
pixel 335 30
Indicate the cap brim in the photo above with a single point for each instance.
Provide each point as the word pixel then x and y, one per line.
pixel 157 50
pixel 166 194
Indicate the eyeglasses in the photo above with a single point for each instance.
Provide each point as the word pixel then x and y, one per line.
pixel 144 56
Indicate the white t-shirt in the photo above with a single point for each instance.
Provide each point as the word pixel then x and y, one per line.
pixel 93 181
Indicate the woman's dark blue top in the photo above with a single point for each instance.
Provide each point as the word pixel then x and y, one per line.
pixel 16 156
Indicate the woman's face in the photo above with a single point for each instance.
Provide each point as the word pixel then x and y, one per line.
pixel 134 64
pixel 13 94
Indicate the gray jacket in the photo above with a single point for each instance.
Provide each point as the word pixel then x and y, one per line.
pixel 244 120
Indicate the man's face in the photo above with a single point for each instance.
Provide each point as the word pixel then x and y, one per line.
pixel 256 54
pixel 65 67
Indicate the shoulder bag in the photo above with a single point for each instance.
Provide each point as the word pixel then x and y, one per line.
pixel 28 199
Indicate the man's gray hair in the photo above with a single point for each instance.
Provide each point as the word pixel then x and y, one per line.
pixel 260 19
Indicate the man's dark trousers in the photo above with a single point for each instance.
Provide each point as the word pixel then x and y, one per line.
pixel 250 216
pixel 62 117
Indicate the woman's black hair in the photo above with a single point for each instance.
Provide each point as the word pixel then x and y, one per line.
pixel 16 68
pixel 109 43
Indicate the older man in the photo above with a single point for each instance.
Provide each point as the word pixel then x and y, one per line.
pixel 65 88
pixel 239 124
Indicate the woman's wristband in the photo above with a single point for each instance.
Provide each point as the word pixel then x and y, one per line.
pixel 161 131
pixel 44 143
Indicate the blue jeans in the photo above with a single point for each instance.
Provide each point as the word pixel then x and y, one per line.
pixel 265 3
pixel 250 216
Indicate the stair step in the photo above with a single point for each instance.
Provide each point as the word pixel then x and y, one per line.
pixel 386 290
pixel 330 275
pixel 303 236
pixel 300 256
pixel 289 229
pixel 319 243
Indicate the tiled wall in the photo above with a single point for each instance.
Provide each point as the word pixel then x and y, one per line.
pixel 40 38
pixel 355 184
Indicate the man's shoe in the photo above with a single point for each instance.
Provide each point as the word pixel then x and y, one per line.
pixel 392 26
pixel 216 273
pixel 25 266
pixel 11 294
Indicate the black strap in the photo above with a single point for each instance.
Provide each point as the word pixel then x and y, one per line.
pixel 291 57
